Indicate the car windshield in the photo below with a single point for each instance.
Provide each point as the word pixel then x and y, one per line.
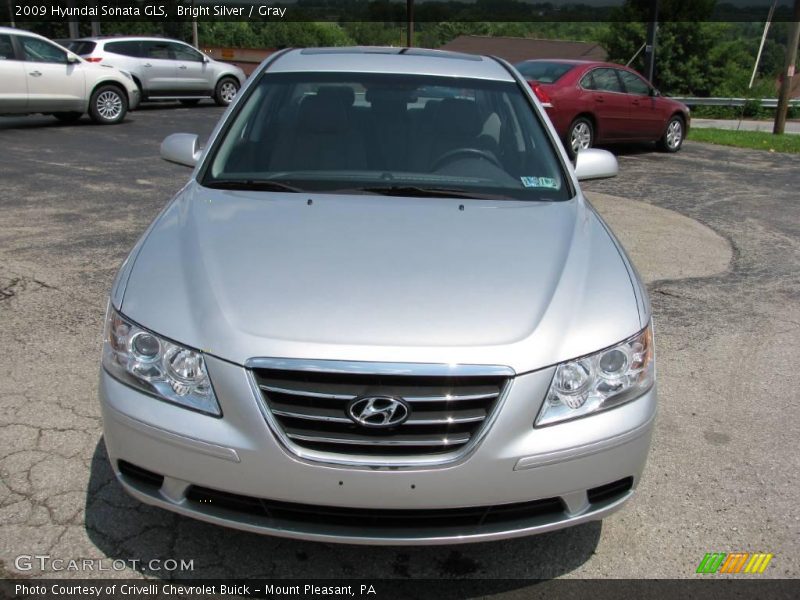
pixel 544 71
pixel 404 135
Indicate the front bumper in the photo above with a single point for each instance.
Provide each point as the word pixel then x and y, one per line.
pixel 134 98
pixel 234 472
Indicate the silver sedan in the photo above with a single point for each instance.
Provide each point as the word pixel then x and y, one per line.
pixel 381 311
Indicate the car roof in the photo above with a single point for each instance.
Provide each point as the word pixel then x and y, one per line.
pixel 380 59
pixel 114 38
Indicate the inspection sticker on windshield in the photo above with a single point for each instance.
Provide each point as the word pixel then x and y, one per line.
pixel 540 182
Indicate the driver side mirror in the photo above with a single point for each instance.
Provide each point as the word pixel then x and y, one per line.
pixel 594 163
pixel 181 148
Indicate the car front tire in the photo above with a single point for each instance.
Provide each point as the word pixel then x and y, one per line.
pixel 108 105
pixel 226 91
pixel 673 137
pixel 580 136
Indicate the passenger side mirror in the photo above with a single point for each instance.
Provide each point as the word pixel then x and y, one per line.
pixel 72 58
pixel 594 163
pixel 654 92
pixel 181 148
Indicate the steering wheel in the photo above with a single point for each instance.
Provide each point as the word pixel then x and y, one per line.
pixel 465 152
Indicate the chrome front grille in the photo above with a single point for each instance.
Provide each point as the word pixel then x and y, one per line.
pixel 446 413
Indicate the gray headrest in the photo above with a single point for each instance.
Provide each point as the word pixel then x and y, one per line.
pixel 319 114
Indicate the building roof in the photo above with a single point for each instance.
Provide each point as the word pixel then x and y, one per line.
pixel 515 49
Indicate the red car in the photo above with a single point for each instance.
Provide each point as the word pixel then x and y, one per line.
pixel 594 102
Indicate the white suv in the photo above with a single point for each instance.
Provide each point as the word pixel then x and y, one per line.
pixel 164 69
pixel 39 76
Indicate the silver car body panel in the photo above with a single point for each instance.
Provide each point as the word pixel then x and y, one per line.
pixel 354 283
pixel 353 278
pixel 238 454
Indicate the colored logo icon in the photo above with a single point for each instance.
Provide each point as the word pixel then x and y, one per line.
pixel 735 562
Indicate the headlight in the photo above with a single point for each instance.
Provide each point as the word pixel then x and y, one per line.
pixel 157 366
pixel 599 381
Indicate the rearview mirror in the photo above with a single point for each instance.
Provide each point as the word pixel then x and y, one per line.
pixel 181 148
pixel 594 163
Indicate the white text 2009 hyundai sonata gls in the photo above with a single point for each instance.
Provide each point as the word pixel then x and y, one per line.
pixel 381 312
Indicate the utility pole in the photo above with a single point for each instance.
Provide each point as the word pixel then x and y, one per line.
pixel 195 36
pixel 788 72
pixel 11 14
pixel 763 40
pixel 95 24
pixel 410 23
pixel 72 24
pixel 650 49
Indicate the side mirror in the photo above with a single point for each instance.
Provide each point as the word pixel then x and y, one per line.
pixel 206 59
pixel 654 92
pixel 72 59
pixel 181 148
pixel 594 163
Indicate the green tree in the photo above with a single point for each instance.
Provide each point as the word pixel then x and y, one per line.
pixel 692 55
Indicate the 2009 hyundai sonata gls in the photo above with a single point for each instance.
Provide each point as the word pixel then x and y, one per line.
pixel 380 311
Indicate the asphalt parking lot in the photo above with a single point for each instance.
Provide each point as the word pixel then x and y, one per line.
pixel 715 231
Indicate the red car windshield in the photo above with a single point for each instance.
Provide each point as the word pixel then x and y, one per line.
pixel 544 71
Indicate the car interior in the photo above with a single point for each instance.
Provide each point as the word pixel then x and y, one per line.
pixel 6 49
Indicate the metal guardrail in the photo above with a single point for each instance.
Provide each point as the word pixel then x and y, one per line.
pixel 733 102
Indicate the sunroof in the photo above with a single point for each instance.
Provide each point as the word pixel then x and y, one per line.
pixel 385 50
pixel 441 54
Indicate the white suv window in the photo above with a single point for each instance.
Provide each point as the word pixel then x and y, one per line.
pixel 157 50
pixel 182 52
pixel 126 48
pixel 37 50
pixel 6 48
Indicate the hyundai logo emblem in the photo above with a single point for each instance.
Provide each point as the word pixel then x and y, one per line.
pixel 378 411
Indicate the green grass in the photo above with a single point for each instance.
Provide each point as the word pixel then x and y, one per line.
pixel 755 140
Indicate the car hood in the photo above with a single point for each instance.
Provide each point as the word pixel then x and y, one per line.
pixel 365 278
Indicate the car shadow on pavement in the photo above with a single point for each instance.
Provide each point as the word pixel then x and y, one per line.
pixel 174 104
pixel 145 537
pixel 631 149
pixel 48 122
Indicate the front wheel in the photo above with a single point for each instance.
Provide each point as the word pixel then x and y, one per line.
pixel 226 90
pixel 580 136
pixel 672 140
pixel 108 105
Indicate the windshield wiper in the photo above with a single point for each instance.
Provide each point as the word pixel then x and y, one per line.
pixel 427 192
pixel 260 185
